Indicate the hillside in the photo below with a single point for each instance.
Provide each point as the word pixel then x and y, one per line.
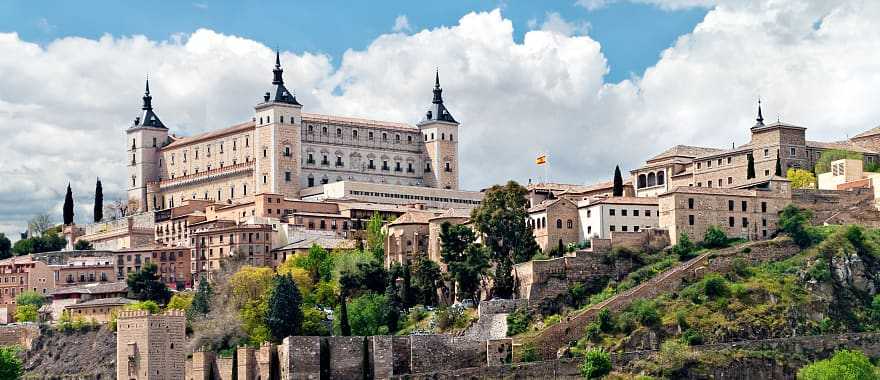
pixel 827 285
pixel 88 354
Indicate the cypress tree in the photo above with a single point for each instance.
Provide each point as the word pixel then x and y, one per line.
pixel 68 206
pixel 344 327
pixel 284 317
pixel 750 171
pixel 99 202
pixel 617 190
pixel 778 165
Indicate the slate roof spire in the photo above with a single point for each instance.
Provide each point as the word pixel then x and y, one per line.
pixel 148 118
pixel 281 94
pixel 760 119
pixel 438 111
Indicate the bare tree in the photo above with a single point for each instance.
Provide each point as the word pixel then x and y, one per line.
pixel 39 224
pixel 116 210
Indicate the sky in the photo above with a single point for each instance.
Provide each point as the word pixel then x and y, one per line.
pixel 593 83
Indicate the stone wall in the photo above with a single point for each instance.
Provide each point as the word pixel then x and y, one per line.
pixel 839 206
pixel 150 346
pixel 20 334
pixel 500 306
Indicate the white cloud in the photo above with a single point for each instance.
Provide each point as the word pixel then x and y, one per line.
pixel 401 24
pixel 664 4
pixel 553 22
pixel 63 108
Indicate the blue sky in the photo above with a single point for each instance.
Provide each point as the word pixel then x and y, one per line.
pixel 631 35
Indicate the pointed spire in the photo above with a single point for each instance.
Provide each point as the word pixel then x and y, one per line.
pixel 438 111
pixel 148 100
pixel 438 92
pixel 760 118
pixel 437 78
pixel 277 78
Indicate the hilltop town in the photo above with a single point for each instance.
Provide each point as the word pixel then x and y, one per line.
pixel 296 245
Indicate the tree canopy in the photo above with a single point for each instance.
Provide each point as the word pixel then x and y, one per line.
pixel 146 284
pixel 83 245
pixel 844 365
pixel 467 261
pixel 284 316
pixel 501 219
pixel 10 364
pixel 823 164
pixel 68 207
pixel 801 179
pixel 5 247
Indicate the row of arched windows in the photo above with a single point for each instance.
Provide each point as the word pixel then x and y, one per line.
pixel 539 223
pixel 651 179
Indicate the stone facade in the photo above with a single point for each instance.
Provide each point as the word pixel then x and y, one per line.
pixel 150 346
pixel 555 223
pixel 745 213
pixel 282 150
pixel 603 216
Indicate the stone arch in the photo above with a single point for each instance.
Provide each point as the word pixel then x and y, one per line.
pixel 642 182
pixel 661 177
pixel 652 179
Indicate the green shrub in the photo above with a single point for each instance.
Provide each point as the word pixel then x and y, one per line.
pixel 692 337
pixel 606 321
pixel 715 286
pixel 641 311
pixel 741 268
pixel 551 320
pixel 593 332
pixel 597 363
pixel 795 222
pixel 715 238
pixel 843 365
pixel 820 271
pixel 529 354
pixel 518 322
pixel 685 248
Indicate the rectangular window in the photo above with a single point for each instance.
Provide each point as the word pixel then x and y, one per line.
pixel 611 212
pixel 730 221
pixel 647 212
pixel 624 228
pixel 766 152
pixel 763 206
pixel 691 203
pixel 690 220
pixel 792 152
pixel 623 212
pixel 709 163
pixel 287 176
pixel 611 228
pixel 728 160
pixel 745 222
pixel 729 180
pixel 635 212
pixel 730 205
pixel 745 205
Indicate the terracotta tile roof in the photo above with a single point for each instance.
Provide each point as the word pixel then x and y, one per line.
pixel 113 301
pixel 870 132
pixel 685 151
pixel 318 118
pixel 650 201
pixel 415 217
pixel 210 135
pixel 844 145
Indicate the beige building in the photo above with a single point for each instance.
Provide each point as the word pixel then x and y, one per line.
pixel 20 274
pixel 416 233
pixel 150 347
pixel 555 223
pixel 749 212
pixel 849 174
pixel 600 217
pixel 393 194
pixel 99 310
pixel 283 150
pixel 684 165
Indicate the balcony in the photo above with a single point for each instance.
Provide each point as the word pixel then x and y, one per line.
pixel 310 161
pixel 385 168
pixel 371 167
pixel 325 163
pixel 206 175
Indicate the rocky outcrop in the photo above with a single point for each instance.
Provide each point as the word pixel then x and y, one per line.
pixel 77 355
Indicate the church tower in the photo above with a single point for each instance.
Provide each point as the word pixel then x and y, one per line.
pixel 278 144
pixel 146 136
pixel 440 131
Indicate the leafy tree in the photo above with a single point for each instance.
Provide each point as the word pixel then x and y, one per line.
pixel 30 297
pixel 501 219
pixel 10 364
pixel 250 282
pixel 39 223
pixel 467 262
pixel 83 245
pixel 795 222
pixel 5 247
pixel 180 301
pixel 47 242
pixel 801 179
pixel 314 323
pixel 147 305
pixel 715 238
pixel 68 207
pixel 366 276
pixel 426 279
pixel 285 315
pixel 318 262
pixel 617 189
pixel 201 302
pixel 597 363
pixel 368 315
pixel 844 365
pixel 26 313
pixel 750 168
pixel 376 237
pixel 715 286
pixel 518 321
pixel 778 164
pixel 685 248
pixel 823 164
pixel 326 293
pixel 146 284
pixel 99 202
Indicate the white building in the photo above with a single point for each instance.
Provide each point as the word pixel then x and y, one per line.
pixel 393 194
pixel 599 217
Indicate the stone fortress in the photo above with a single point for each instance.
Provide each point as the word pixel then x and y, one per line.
pixel 283 150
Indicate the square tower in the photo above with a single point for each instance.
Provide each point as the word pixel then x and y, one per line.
pixel 145 137
pixel 278 140
pixel 439 130
pixel 150 347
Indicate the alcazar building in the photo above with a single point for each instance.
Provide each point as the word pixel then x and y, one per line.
pixel 283 150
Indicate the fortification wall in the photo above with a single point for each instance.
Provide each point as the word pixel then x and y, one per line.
pixel 20 334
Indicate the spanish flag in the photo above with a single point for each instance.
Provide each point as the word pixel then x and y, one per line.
pixel 541 160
